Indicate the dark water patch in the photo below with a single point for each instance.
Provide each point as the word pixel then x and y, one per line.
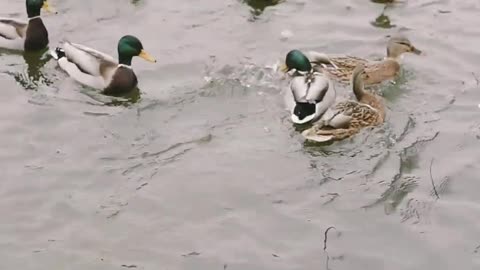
pixel 124 100
pixel 431 3
pixel 451 101
pixel 383 1
pixel 129 266
pixel 35 75
pixel 31 74
pixel 193 253
pixel 96 114
pixel 141 186
pixel 383 21
pixel 330 197
pixel 150 106
pixel 434 188
pixel 258 6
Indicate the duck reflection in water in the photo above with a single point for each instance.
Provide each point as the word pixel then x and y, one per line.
pixel 258 6
pixel 136 2
pixel 33 76
pixel 124 99
pixel 383 21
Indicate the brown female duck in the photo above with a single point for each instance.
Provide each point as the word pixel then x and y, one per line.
pixel 349 117
pixel 341 68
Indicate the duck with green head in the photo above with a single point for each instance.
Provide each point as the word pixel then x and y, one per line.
pixel 311 92
pixel 99 70
pixel 347 118
pixel 341 68
pixel 25 36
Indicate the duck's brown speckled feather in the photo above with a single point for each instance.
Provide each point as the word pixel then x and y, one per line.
pixel 375 71
pixel 349 117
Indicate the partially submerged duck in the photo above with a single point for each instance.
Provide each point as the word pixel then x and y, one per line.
pixel 341 68
pixel 25 36
pixel 99 70
pixel 311 92
pixel 347 118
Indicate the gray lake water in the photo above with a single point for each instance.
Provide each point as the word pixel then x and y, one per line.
pixel 202 169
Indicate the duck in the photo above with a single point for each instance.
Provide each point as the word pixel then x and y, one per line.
pixel 99 70
pixel 340 68
pixel 19 35
pixel 310 92
pixel 349 117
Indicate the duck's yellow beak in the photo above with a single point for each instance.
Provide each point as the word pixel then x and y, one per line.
pixel 143 54
pixel 46 7
pixel 283 68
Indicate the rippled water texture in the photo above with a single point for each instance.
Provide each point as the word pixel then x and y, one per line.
pixel 202 169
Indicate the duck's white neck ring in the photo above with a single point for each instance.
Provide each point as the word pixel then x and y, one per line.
pixel 123 65
pixel 36 17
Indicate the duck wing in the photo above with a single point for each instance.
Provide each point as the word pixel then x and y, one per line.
pixel 345 120
pixel 90 61
pixel 350 114
pixel 348 61
pixel 320 59
pixel 12 29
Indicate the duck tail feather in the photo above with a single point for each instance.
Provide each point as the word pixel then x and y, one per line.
pixel 57 53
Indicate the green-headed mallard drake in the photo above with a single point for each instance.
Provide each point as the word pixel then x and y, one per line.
pixel 99 70
pixel 311 92
pixel 349 117
pixel 28 36
pixel 341 67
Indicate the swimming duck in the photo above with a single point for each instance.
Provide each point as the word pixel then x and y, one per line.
pixel 349 117
pixel 341 67
pixel 99 70
pixel 311 92
pixel 25 36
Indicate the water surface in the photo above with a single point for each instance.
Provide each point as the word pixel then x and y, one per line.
pixel 202 169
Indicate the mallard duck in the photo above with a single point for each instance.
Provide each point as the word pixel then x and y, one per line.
pixel 28 36
pixel 311 92
pixel 349 117
pixel 341 67
pixel 99 70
